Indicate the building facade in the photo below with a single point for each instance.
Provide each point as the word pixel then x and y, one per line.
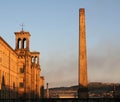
pixel 20 69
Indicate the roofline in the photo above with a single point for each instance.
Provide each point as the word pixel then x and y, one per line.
pixel 35 52
pixel 8 45
pixel 22 32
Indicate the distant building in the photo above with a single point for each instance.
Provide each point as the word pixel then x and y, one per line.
pixel 20 69
pixel 66 92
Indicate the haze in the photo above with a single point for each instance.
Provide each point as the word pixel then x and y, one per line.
pixel 54 24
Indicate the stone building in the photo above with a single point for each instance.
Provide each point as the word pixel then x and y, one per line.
pixel 20 69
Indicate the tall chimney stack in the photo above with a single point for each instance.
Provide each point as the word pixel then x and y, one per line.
pixel 82 73
pixel 47 91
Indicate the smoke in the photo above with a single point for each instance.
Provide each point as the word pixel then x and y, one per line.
pixel 60 69
pixel 104 60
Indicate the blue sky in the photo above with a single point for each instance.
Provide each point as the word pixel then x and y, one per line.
pixel 53 25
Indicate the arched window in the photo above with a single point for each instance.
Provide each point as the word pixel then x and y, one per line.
pixel 19 43
pixel 36 60
pixel 32 59
pixel 24 43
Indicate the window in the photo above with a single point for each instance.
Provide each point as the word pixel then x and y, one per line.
pixel 21 84
pixel 32 59
pixel 21 70
pixel 13 85
pixel 0 56
pixel 36 60
pixel 24 43
pixel 19 43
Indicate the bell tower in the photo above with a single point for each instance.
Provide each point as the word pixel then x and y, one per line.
pixel 22 40
pixel 22 48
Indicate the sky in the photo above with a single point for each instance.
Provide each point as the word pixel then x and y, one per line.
pixel 54 29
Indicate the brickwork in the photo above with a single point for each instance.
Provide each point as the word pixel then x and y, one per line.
pixel 82 78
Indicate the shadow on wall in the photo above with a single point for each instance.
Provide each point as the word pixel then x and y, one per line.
pixel 42 92
pixel 8 92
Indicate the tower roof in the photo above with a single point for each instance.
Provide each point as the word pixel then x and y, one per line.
pixel 22 32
